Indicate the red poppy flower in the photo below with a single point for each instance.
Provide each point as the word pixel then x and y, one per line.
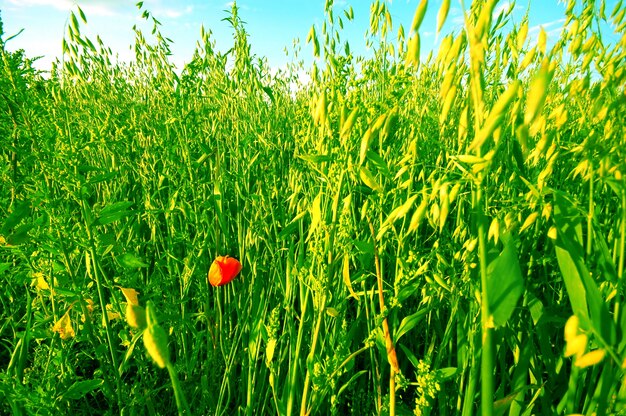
pixel 223 270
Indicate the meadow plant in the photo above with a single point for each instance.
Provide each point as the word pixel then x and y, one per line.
pixel 409 235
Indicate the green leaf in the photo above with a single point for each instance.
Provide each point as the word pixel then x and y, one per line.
pixel 292 226
pixel 368 179
pixel 79 389
pixel 350 382
pixel 603 256
pixel 378 162
pixel 535 307
pixel 114 212
pixel 446 373
pixel 102 178
pixel 269 93
pixel 584 295
pixel 409 354
pixel 505 284
pixel 69 294
pixel 14 36
pixel 131 261
pixel 21 211
pixel 316 158
pixel 129 352
pixel 20 235
pixel 409 323
pixel 363 246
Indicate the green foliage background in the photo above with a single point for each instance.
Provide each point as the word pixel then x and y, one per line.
pixel 485 182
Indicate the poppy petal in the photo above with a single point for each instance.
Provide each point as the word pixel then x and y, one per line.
pixel 223 270
pixel 230 268
pixel 215 274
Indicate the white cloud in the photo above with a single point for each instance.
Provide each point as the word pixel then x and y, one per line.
pixel 458 20
pixel 547 25
pixel 57 4
pixel 456 16
pixel 172 13
pixel 558 22
pixel 553 29
pixel 45 47
pixel 503 7
pixel 91 8
pixel 97 10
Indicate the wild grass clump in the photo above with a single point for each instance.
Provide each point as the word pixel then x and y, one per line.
pixel 429 236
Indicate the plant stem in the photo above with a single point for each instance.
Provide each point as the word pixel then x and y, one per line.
pixel 91 258
pixel 620 263
pixel 181 402
pixel 307 379
pixel 296 360
pixel 590 216
pixel 391 351
pixel 486 364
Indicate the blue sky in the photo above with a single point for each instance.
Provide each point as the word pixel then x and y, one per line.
pixel 271 24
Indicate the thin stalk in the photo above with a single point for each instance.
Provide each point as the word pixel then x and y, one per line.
pixel 391 351
pixel 183 335
pixel 477 88
pixel 181 402
pixel 486 364
pixel 107 327
pixel 622 244
pixel 590 216
pixel 373 361
pixel 253 357
pixel 348 359
pixel 295 351
pixel 88 323
pixel 307 379
pixel 249 390
pixel 468 401
pixel 620 263
pixel 572 388
pixel 296 358
pixel 93 271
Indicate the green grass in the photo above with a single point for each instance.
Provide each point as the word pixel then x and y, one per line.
pixel 414 236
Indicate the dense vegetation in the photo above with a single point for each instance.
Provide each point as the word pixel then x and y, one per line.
pixel 435 236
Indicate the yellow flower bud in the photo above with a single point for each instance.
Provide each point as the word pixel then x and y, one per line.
pixel 155 338
pixel 135 316
pixel 155 341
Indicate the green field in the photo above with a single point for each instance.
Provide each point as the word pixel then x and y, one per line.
pixel 430 236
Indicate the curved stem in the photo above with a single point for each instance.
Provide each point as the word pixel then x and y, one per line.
pixel 391 350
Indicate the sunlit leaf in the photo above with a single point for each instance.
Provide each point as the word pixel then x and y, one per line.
pixel 505 283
